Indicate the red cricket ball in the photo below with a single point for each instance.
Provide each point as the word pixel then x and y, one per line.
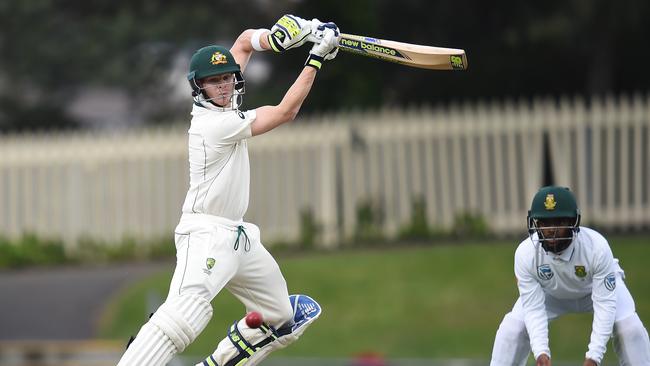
pixel 254 319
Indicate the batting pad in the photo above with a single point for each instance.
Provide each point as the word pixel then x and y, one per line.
pixel 249 346
pixel 305 311
pixel 183 318
pixel 150 347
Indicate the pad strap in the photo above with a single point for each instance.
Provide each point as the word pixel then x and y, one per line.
pixel 246 350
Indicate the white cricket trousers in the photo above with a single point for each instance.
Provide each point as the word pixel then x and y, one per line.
pixel 631 342
pixel 211 253
pixel 215 253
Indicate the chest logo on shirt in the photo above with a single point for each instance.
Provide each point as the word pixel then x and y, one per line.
pixel 581 271
pixel 610 281
pixel 544 272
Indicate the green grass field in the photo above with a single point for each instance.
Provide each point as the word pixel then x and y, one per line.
pixel 443 301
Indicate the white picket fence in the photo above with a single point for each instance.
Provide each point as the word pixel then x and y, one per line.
pixel 481 158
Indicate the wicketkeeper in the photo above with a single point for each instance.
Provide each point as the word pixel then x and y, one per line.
pixel 215 248
pixel 566 268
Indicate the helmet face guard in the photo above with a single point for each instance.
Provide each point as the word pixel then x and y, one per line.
pixel 212 61
pixel 556 237
pixel 236 98
pixel 555 217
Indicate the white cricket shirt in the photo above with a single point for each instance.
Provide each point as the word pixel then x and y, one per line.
pixel 586 268
pixel 219 166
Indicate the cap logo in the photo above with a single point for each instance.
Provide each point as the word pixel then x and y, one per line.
pixel 218 58
pixel 549 202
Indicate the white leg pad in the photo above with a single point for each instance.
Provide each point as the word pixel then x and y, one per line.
pixel 248 346
pixel 173 327
pixel 183 318
pixel 151 347
pixel 631 342
pixel 511 344
pixel 227 353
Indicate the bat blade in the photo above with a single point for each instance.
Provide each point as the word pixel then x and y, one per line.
pixel 424 57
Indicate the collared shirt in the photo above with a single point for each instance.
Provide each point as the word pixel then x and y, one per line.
pixel 219 165
pixel 586 268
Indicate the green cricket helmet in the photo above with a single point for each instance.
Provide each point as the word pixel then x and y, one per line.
pixel 210 61
pixel 549 203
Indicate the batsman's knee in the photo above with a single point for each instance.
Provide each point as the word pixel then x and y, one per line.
pixel 249 346
pixel 182 319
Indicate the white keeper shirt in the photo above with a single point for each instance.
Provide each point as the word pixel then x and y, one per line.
pixel 586 268
pixel 219 165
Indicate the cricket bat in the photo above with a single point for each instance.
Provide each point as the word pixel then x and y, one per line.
pixel 424 57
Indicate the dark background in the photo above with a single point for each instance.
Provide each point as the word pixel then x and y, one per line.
pixel 51 52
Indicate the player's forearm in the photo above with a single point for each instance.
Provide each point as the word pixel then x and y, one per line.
pixel 532 300
pixel 537 328
pixel 603 297
pixel 602 327
pixel 243 48
pixel 297 93
pixel 603 323
pixel 270 117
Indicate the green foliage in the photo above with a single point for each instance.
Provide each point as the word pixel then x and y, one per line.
pixel 96 251
pixel 370 220
pixel 466 226
pixel 310 230
pixel 17 114
pixel 30 250
pixel 469 225
pixel 418 228
pixel 53 51
pixel 129 249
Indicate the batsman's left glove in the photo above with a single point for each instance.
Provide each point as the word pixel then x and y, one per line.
pixel 289 32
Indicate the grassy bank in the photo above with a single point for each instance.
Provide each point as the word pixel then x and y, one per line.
pixel 429 301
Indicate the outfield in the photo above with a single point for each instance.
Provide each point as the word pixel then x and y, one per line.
pixel 442 301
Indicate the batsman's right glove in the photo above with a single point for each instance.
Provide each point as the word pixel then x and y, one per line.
pixel 326 48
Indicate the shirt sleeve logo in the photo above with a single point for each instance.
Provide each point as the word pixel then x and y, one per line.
pixel 544 272
pixel 610 281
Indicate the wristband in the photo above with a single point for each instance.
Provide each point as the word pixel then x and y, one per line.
pixel 255 39
pixel 314 61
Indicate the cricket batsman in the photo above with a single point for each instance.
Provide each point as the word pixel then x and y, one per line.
pixel 565 268
pixel 215 248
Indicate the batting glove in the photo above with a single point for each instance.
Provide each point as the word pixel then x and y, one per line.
pixel 317 28
pixel 326 49
pixel 289 32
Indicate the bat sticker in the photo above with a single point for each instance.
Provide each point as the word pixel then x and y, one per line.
pixel 456 62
